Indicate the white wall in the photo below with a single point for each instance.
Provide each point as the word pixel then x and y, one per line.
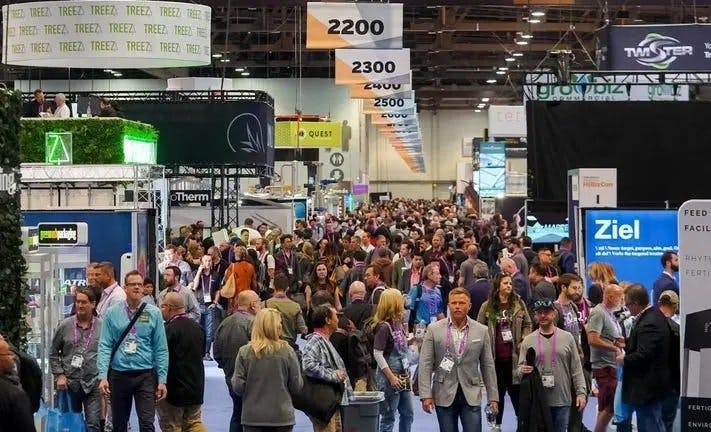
pixel 442 135
pixel 98 85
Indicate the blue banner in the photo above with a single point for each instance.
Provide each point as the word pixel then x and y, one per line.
pixel 633 241
pixel 683 47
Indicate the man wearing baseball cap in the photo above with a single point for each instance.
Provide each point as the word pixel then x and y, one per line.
pixel 558 362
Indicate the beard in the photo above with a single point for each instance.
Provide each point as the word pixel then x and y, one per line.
pixel 675 268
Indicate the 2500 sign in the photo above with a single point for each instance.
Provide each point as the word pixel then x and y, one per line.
pixel 389 102
pixel 376 66
pixel 359 27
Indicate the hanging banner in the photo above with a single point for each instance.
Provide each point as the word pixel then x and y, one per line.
pixel 362 66
pixel 387 129
pixel 391 118
pixel 694 271
pixel 353 25
pixel 586 87
pixel 107 34
pixel 682 47
pixel 388 105
pixel 376 90
pixel 290 134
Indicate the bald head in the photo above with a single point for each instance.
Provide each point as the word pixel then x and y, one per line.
pixel 174 300
pixel 612 296
pixel 357 290
pixel 248 301
pixel 7 358
pixel 509 266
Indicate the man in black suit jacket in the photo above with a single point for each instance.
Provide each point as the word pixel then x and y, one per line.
pixel 646 380
pixel 666 280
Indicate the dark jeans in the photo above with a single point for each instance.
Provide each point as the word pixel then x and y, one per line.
pixel 207 321
pixel 561 417
pixel 504 382
pixel 448 417
pixel 129 387
pixel 649 417
pixel 669 407
pixel 236 420
pixel 89 403
pixel 268 429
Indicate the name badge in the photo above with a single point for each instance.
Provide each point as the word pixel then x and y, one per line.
pixel 548 380
pixel 208 298
pixel 77 361
pixel 130 347
pixel 144 318
pixel 290 270
pixel 507 335
pixel 447 364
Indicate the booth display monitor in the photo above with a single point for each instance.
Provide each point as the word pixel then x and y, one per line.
pixel 633 241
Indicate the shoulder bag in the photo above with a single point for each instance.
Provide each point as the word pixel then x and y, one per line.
pixel 125 332
pixel 318 398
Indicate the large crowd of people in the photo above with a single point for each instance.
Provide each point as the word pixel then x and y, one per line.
pixel 416 299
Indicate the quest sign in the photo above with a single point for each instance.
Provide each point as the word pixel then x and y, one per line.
pixel 106 34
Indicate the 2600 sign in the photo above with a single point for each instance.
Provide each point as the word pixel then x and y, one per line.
pixel 376 66
pixel 359 27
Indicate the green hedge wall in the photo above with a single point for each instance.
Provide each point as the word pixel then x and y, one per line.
pixel 94 140
pixel 13 268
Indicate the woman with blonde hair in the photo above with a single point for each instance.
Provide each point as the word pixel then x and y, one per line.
pixel 601 273
pixel 390 349
pixel 267 373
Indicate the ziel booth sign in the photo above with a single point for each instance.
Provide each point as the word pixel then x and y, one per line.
pixel 63 234
pixel 684 47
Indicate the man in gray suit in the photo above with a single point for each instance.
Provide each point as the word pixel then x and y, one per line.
pixel 452 353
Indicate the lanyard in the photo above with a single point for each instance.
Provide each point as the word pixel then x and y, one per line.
pixel 209 285
pixel 611 314
pixel 288 262
pixel 541 355
pixel 179 316
pixel 462 341
pixel 76 338
pixel 130 317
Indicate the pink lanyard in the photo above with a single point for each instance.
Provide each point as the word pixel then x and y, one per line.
pixel 179 316
pixel 76 336
pixel 462 341
pixel 541 355
pixel 130 317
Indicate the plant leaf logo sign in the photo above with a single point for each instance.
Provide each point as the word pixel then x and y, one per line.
pixel 245 133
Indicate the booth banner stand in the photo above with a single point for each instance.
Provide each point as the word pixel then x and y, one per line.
pixel 694 271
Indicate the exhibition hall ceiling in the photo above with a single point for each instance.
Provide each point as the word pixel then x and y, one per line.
pixel 456 45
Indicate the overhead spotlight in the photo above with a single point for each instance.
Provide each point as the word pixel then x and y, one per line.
pixel 521 41
pixel 108 71
pixel 239 69
pixel 503 68
pixel 534 20
pixel 118 74
pixel 510 59
pixel 517 54
pixel 245 73
pixel 217 55
pixel 477 110
pixel 526 35
pixel 538 13
pixel 485 99
pixel 500 72
pixel 225 60
pixel 480 106
pixel 491 81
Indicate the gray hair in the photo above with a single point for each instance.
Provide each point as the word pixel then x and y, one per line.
pixel 481 270
pixel 60 96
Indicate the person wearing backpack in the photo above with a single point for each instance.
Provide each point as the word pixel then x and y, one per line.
pixel 425 298
pixel 374 282
pixel 390 350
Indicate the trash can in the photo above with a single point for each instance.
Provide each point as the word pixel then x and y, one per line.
pixel 363 412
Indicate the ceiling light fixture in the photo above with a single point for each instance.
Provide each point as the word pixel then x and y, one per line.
pixel 477 110
pixel 510 59
pixel 225 60
pixel 538 13
pixel 239 69
pixel 517 54
pixel 526 35
pixel 521 41
pixel 118 74
pixel 108 71
pixel 481 105
pixel 500 72
pixel 491 81
pixel 533 20
pixel 217 55
pixel 503 68
pixel 485 99
pixel 245 73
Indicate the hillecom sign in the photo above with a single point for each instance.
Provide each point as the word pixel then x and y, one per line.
pixel 353 25
pixel 107 34
pixel 586 87
pixel 382 66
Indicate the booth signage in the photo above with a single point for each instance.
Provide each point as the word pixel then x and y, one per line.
pixel 309 134
pixel 63 234
pixel 8 181
pixel 138 151
pixel 107 34
pixel 400 119
pixel 587 87
pixel 376 90
pixel 507 121
pixel 388 105
pixel 353 25
pixel 383 66
pixel 683 47
pixel 190 196
pixel 694 269
pixel 58 148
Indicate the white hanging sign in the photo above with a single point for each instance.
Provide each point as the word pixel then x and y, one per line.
pixel 383 66
pixel 388 105
pixel 353 25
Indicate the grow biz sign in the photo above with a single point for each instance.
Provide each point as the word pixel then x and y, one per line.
pixel 660 47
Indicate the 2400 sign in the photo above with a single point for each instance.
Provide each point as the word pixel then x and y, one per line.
pixel 376 66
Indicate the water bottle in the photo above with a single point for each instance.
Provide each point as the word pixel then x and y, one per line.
pixel 420 330
pixel 490 418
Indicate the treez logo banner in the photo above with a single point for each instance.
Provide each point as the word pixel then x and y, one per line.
pixel 684 47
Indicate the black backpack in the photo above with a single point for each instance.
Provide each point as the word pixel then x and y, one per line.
pixel 30 378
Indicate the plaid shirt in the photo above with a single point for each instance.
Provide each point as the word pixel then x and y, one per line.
pixel 318 362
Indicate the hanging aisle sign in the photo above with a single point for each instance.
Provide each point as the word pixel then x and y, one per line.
pixel 388 105
pixel 362 66
pixel 694 269
pixel 104 34
pixel 353 25
pixel 401 119
pixel 376 90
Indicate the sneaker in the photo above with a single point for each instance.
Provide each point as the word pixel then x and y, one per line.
pixel 496 428
pixel 207 357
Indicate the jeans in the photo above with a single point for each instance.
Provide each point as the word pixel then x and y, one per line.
pixel 127 387
pixel 649 417
pixel 207 321
pixel 561 417
pixel 91 404
pixel 504 382
pixel 448 417
pixel 236 420
pixel 400 402
pixel 669 407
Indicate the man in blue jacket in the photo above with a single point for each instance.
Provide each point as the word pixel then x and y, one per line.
pixel 666 280
pixel 139 369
